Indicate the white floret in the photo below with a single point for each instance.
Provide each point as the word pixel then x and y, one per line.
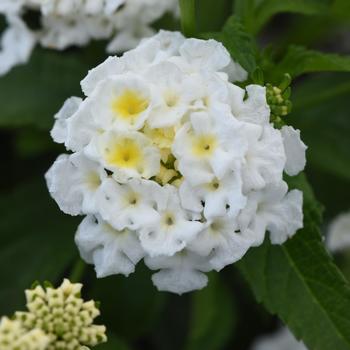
pixel 180 273
pixel 172 230
pixel 272 209
pixel 175 94
pixel 108 108
pixel 221 242
pixel 111 251
pixel 126 154
pixel 82 128
pixel 217 198
pixel 205 54
pixel 128 205
pixel 253 109
pixel 265 157
pixel 208 147
pixel 111 66
pixel 59 132
pixel 295 150
pixel 73 181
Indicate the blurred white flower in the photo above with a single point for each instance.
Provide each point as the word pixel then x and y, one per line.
pixel 188 173
pixel 64 23
pixel 16 43
pixel 281 340
pixel 338 237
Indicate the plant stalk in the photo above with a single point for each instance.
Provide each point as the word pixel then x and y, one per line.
pixel 188 17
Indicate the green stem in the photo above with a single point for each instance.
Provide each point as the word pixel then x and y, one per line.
pixel 188 17
pixel 77 271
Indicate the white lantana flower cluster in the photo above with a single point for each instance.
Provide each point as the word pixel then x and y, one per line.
pixel 173 163
pixel 13 336
pixel 75 22
pixel 63 318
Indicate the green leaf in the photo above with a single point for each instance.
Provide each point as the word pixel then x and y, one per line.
pixel 300 283
pixel 211 18
pixel 213 316
pixel 268 8
pixel 299 60
pixel 321 112
pixel 32 93
pixel 244 9
pixel 239 43
pixel 36 242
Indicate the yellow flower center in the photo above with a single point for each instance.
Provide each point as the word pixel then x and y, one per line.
pixel 161 137
pixel 216 227
pixel 125 153
pixel 168 220
pixel 204 145
pixel 132 198
pixel 129 104
pixel 213 186
pixel 171 98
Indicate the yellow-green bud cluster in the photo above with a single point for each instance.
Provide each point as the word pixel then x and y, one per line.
pixel 63 316
pixel 14 336
pixel 278 99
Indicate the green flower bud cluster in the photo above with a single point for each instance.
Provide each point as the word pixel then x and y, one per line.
pixel 278 99
pixel 14 336
pixel 64 316
pixel 57 319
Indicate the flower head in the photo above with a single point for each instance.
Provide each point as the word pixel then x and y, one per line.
pixel 173 163
pixel 63 317
pixel 14 336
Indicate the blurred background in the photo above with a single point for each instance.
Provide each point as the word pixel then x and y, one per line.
pixel 36 238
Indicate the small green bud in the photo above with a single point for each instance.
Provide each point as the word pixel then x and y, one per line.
pixel 278 99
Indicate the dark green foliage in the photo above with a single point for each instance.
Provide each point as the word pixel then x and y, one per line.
pixel 212 317
pixel 299 281
pixel 31 94
pixel 36 242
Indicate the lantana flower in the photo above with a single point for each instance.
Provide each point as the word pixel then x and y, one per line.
pixel 174 164
pixel 64 23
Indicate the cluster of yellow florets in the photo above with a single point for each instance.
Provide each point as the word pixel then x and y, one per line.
pixel 14 336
